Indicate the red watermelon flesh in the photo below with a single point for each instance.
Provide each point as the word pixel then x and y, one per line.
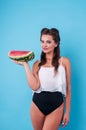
pixel 21 55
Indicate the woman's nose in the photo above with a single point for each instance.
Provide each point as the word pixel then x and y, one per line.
pixel 44 44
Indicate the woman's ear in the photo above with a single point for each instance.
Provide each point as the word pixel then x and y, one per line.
pixel 56 44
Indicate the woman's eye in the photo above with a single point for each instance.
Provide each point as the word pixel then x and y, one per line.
pixel 45 41
pixel 48 41
pixel 42 41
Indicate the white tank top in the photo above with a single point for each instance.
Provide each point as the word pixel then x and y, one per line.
pixel 49 81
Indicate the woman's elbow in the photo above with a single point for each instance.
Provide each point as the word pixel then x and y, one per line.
pixel 34 87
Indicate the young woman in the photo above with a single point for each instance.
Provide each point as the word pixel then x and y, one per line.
pixel 50 81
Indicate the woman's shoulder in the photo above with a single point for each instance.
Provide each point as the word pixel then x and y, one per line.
pixel 36 64
pixel 65 61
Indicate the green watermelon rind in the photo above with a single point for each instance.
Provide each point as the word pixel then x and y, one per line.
pixel 24 58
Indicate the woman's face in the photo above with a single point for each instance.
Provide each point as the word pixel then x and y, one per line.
pixel 47 43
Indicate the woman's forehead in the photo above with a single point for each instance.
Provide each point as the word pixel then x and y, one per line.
pixel 44 37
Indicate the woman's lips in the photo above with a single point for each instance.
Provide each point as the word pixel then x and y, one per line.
pixel 45 48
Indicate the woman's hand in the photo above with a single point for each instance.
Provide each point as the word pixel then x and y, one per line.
pixel 20 62
pixel 65 120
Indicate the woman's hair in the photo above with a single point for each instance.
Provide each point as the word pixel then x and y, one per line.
pixel 55 35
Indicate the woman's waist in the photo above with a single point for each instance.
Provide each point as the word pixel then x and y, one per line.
pixel 51 89
pixel 47 96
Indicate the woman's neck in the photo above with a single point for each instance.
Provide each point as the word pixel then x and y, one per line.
pixel 49 57
pixel 49 60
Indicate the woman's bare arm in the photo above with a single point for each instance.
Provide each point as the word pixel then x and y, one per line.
pixel 68 96
pixel 32 76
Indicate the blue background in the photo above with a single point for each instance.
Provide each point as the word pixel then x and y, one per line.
pixel 20 25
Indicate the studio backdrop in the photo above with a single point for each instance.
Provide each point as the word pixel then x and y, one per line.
pixel 20 24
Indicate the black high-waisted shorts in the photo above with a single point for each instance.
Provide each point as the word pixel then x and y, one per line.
pixel 47 102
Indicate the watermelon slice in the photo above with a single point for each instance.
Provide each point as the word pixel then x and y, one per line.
pixel 21 55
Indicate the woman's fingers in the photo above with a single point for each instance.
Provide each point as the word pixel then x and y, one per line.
pixel 18 62
pixel 65 120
